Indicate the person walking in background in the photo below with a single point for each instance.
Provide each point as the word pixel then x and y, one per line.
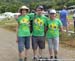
pixel 23 32
pixel 74 21
pixel 52 34
pixel 64 18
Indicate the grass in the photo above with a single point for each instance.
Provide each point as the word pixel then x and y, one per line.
pixel 67 39
pixel 70 16
pixel 9 24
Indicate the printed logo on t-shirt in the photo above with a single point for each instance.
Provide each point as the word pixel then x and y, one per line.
pixel 24 20
pixel 38 21
pixel 53 26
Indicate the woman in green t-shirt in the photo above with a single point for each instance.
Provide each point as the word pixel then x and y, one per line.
pixel 54 25
pixel 23 32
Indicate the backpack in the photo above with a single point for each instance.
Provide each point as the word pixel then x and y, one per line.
pixel 31 23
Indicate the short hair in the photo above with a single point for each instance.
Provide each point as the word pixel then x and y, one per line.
pixel 64 7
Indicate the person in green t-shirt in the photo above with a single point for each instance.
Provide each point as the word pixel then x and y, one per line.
pixel 52 34
pixel 23 32
pixel 38 31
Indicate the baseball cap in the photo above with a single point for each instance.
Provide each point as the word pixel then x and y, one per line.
pixel 52 11
pixel 40 7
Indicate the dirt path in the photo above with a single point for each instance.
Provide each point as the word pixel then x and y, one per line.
pixel 8 48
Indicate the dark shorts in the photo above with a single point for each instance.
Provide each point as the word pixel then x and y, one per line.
pixel 23 42
pixel 38 41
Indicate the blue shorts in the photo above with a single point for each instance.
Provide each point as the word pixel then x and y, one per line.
pixel 64 23
pixel 23 42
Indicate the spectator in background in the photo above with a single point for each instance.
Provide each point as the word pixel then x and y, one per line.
pixel 64 18
pixel 74 11
pixel 74 21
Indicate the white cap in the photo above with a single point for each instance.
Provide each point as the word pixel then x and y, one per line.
pixel 52 11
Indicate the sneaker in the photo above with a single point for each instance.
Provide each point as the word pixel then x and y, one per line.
pixel 46 59
pixel 25 59
pixel 40 58
pixel 34 58
pixel 55 58
pixel 51 58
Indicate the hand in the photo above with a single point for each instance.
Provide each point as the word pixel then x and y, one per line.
pixel 16 40
pixel 16 16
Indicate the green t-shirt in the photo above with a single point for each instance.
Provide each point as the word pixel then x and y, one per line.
pixel 23 29
pixel 39 23
pixel 53 28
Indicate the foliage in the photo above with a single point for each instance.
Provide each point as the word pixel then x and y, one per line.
pixel 13 5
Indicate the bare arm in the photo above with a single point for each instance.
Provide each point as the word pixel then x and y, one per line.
pixel 16 29
pixel 67 20
pixel 61 28
pixel 16 32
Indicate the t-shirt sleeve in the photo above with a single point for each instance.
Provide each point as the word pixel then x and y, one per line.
pixel 31 15
pixel 17 18
pixel 46 20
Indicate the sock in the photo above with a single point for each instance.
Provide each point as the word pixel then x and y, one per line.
pixel 40 56
pixel 34 58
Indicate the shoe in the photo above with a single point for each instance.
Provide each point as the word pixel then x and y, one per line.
pixel 51 58
pixel 46 59
pixel 25 59
pixel 55 58
pixel 34 58
pixel 40 58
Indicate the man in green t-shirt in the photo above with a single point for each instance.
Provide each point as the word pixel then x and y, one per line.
pixel 39 23
pixel 23 32
pixel 54 25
